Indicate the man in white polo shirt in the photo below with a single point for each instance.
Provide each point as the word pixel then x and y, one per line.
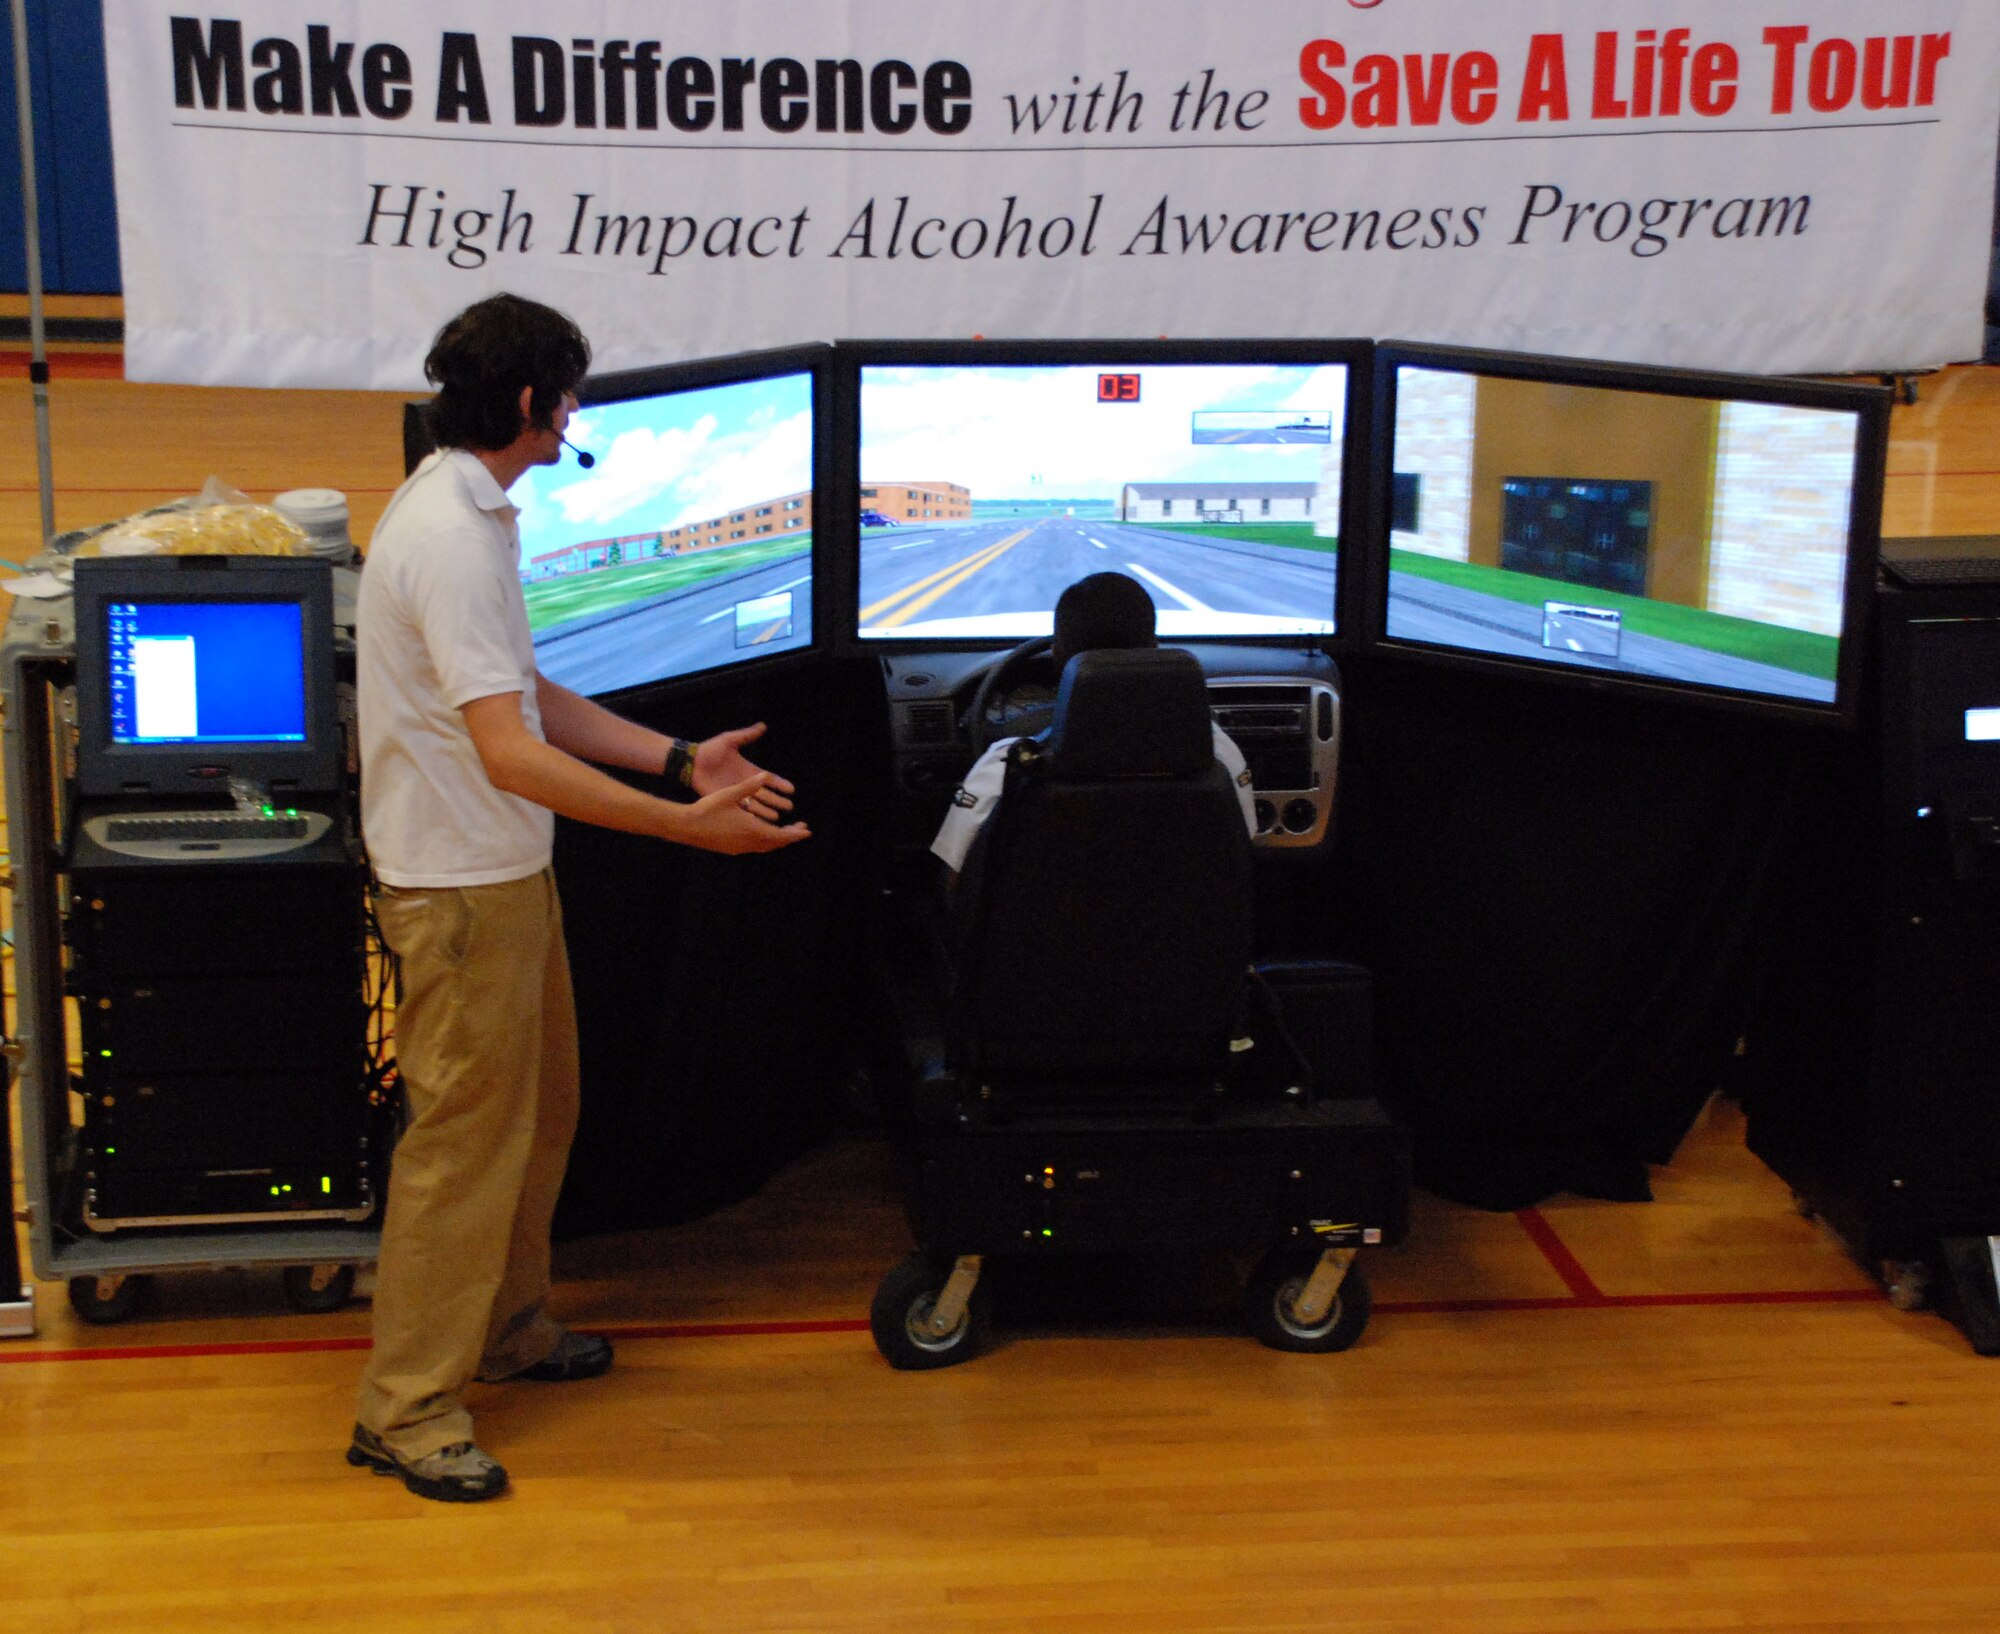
pixel 466 754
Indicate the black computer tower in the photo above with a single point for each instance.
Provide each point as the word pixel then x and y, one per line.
pixel 1872 1080
pixel 222 1013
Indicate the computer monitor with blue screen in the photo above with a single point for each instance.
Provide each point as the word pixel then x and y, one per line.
pixel 1708 535
pixel 195 669
pixel 687 543
pixel 992 475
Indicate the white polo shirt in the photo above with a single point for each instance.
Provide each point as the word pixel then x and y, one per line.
pixel 979 794
pixel 440 622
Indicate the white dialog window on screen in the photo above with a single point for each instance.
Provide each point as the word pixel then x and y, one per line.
pixel 163 686
pixel 1982 725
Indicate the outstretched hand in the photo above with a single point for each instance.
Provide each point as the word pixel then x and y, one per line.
pixel 720 764
pixel 732 819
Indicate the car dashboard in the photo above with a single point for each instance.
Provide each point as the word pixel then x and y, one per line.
pixel 1282 708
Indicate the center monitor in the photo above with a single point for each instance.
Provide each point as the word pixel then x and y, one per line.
pixel 1710 535
pixel 992 475
pixel 687 543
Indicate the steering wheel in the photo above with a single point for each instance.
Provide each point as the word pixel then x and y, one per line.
pixel 996 687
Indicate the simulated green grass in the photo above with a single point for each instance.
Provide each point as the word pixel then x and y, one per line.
pixel 605 589
pixel 1294 535
pixel 1800 651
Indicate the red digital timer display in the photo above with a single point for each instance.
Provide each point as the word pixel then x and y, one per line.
pixel 1118 388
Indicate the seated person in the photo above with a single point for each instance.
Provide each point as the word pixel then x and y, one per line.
pixel 1103 610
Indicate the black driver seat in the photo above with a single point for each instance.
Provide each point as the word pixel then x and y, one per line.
pixel 1103 924
pixel 1081 1098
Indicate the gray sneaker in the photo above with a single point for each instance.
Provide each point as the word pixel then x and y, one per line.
pixel 458 1474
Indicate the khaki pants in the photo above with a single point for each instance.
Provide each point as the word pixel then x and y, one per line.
pixel 486 1045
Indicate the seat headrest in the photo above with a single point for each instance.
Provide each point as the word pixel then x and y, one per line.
pixel 1131 712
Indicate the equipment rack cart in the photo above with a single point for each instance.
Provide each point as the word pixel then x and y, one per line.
pixel 37 667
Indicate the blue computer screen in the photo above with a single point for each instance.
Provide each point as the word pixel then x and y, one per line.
pixel 206 672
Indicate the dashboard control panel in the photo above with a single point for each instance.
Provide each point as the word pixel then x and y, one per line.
pixel 1282 708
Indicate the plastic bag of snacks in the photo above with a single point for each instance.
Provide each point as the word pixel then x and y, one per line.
pixel 218 521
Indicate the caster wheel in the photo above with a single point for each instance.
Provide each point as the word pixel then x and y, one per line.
pixel 1907 1283
pixel 899 1318
pixel 106 1301
pixel 1276 1284
pixel 317 1289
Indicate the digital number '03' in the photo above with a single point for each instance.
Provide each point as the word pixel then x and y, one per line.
pixel 1118 388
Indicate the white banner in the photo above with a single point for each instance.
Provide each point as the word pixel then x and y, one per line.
pixel 307 190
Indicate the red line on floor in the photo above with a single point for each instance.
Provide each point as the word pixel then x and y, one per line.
pixel 290 1347
pixel 156 1353
pixel 1828 1296
pixel 753 1330
pixel 1567 1266
pixel 1631 1302
pixel 726 1330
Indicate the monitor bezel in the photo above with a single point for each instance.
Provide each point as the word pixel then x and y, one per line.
pixel 106 768
pixel 1871 405
pixel 653 380
pixel 851 357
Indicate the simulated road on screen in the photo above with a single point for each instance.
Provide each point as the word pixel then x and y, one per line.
pixel 675 633
pixel 1011 572
pixel 1445 615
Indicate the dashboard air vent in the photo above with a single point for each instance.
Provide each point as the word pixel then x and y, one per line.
pixel 927 724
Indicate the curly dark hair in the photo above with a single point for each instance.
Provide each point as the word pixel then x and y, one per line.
pixel 484 356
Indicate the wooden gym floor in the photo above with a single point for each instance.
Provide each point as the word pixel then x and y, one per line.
pixel 1696 1414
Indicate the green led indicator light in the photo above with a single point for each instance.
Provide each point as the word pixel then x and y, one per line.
pixel 1046 1232
pixel 110 1151
pixel 326 1184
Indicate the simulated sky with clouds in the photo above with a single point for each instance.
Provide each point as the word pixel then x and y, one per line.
pixel 665 461
pixel 1028 433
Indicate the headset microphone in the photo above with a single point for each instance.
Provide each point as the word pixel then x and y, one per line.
pixel 582 459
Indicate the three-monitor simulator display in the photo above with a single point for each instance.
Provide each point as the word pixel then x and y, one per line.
pixel 1649 529
pixel 987 487
pixel 1672 531
pixel 688 542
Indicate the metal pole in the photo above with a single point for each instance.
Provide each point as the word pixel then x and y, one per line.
pixel 17 1300
pixel 31 222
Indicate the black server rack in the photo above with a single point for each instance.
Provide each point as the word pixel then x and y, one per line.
pixel 1873 1060
pixel 222 1009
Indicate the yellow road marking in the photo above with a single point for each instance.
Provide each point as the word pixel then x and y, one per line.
pixel 945 579
pixel 766 636
pixel 911 609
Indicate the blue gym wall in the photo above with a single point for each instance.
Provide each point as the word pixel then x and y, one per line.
pixel 79 218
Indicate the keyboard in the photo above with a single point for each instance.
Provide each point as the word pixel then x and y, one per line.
pixel 1933 571
pixel 206 836
pixel 205 828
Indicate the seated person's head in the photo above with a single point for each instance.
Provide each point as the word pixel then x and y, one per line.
pixel 1103 610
